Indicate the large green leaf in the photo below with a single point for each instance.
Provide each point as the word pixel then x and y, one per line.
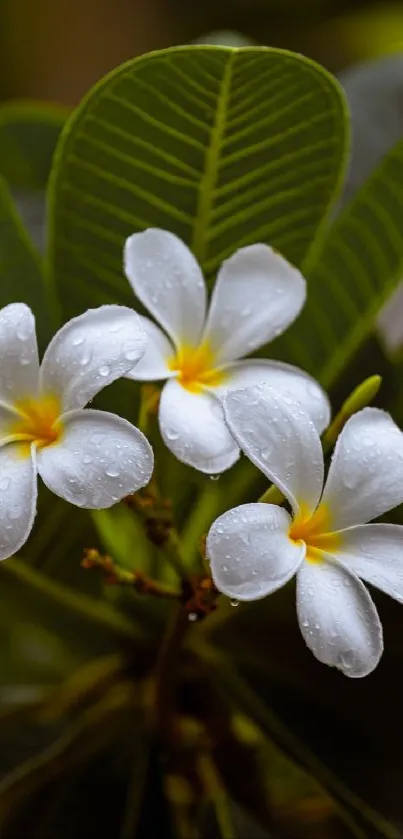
pixel 360 265
pixel 222 146
pixel 29 132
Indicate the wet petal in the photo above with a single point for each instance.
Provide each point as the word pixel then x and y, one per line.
pixel 280 439
pixel 286 380
pixel 100 459
pixel 365 477
pixel 19 365
pixel 250 552
pixel 337 618
pixel 154 365
pixel 194 429
pixel 256 296
pixel 91 351
pixel 168 281
pixel 374 552
pixel 18 494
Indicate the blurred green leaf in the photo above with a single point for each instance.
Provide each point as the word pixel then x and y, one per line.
pixel 361 817
pixel 360 265
pixel 37 595
pixel 96 727
pixel 352 725
pixel 20 266
pixel 29 132
pixel 223 147
pixel 123 535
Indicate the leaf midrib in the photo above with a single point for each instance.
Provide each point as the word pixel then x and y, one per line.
pixel 208 181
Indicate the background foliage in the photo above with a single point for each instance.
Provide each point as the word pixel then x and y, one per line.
pixel 221 147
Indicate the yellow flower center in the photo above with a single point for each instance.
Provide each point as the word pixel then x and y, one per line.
pixel 195 367
pixel 315 531
pixel 38 421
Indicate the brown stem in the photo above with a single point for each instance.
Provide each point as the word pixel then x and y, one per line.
pixel 135 579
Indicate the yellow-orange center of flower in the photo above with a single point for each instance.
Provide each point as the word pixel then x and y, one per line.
pixel 195 367
pixel 38 421
pixel 315 531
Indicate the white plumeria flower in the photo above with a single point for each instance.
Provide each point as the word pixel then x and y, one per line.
pixel 90 458
pixel 256 296
pixel 255 549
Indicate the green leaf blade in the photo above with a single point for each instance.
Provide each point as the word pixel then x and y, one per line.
pixel 361 264
pixel 223 147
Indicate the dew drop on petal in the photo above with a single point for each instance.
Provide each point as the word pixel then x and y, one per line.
pixel 23 332
pixel 234 603
pixel 77 340
pixel 112 473
pixel 104 370
pixel 131 355
pixel 85 359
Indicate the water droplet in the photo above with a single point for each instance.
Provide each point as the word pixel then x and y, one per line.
pixel 234 603
pixel 104 370
pixel 131 355
pixel 214 477
pixel 23 332
pixel 77 340
pixel 112 473
pixel 87 458
pixel 192 616
pixel 172 435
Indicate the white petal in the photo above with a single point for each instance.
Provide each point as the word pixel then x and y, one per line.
pixel 366 473
pixel 18 493
pixel 374 552
pixel 154 363
pixel 99 459
pixel 168 281
pixel 256 296
pixel 280 439
pixel 19 365
pixel 91 351
pixel 337 618
pixel 286 380
pixel 250 552
pixel 194 429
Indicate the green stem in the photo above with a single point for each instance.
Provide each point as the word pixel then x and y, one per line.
pixel 201 517
pixel 164 685
pixel 172 551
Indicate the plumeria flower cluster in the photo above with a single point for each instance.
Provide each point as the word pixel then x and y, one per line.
pixel 212 406
pixel 90 458
pixel 256 296
pixel 326 542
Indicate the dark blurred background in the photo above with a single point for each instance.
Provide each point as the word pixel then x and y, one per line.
pixel 56 51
